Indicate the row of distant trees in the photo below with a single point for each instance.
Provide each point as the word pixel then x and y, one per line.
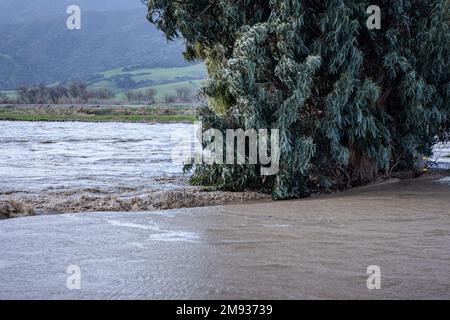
pixel 78 93
pixel 182 94
pixel 141 95
pixel 75 92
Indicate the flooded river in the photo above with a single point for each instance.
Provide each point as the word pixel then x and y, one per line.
pixel 51 167
pixel 64 167
pixel 36 157
pixel 41 156
pixel 318 248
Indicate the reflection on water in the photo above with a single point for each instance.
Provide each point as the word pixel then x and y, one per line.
pixel 44 156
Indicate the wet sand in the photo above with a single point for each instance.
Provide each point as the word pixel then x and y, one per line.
pixel 316 248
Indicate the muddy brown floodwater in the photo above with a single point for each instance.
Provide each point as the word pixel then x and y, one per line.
pixel 317 248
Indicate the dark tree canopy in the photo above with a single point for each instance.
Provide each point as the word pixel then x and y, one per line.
pixel 351 104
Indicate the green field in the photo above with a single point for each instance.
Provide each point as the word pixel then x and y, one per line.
pixel 164 80
pixel 159 74
pixel 100 114
pixel 10 94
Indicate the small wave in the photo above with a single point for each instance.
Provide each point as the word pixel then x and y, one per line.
pixel 7 141
pixel 278 226
pixel 127 161
pixel 137 244
pixel 131 140
pixel 445 180
pixel 161 235
pixel 176 236
pixel 153 227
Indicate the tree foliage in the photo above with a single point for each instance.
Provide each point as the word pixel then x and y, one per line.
pixel 351 104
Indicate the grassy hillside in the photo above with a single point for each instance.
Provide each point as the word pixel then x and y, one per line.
pixel 156 74
pixel 145 77
pixel 10 94
pixel 164 81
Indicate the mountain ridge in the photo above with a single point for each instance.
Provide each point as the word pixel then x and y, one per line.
pixel 43 50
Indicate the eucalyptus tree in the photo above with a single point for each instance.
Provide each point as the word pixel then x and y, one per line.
pixel 352 103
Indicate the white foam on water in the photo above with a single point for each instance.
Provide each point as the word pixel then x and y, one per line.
pixel 278 226
pixel 445 180
pixel 164 213
pixel 160 235
pixel 153 226
pixel 175 236
pixel 137 245
pixel 441 156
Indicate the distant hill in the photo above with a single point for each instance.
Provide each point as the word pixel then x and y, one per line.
pixel 36 47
